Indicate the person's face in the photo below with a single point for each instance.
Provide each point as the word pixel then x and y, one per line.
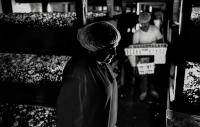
pixel 107 54
pixel 111 55
pixel 144 26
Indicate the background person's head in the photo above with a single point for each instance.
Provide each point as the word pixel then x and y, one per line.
pixel 100 39
pixel 144 19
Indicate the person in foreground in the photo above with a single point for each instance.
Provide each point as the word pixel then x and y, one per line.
pixel 88 97
pixel 147 34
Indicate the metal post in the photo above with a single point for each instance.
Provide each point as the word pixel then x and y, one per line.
pixel 81 12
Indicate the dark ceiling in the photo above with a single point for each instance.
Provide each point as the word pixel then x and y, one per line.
pixel 196 2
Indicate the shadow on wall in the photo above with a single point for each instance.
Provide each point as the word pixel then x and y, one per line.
pixel 21 38
pixel 38 32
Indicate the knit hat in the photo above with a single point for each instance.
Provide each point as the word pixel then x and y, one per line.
pixel 98 35
pixel 144 17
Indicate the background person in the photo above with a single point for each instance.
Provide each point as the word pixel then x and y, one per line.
pixel 146 34
pixel 88 97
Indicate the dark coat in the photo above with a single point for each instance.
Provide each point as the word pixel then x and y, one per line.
pixel 88 97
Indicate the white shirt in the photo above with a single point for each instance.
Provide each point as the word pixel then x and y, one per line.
pixel 150 36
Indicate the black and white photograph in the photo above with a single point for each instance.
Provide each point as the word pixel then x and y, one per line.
pixel 99 63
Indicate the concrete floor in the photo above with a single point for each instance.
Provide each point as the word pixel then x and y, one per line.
pixel 149 113
pixel 140 114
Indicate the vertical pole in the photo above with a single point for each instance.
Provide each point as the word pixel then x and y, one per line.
pixel 185 13
pixel 124 6
pixel 66 7
pixel 81 12
pixel 110 6
pixel 168 20
pixel 1 10
pixel 180 16
pixel 176 6
pixel 44 6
